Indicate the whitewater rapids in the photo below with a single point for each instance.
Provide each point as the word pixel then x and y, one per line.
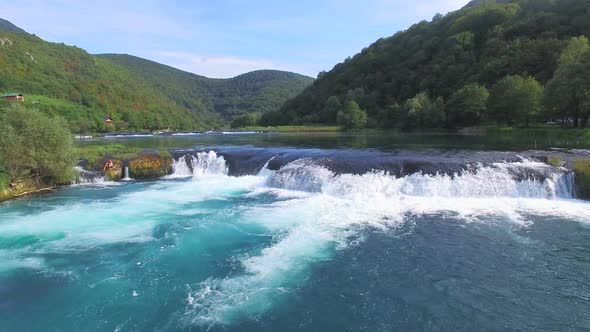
pixel 300 214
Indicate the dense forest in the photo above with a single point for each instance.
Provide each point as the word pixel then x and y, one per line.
pixel 255 92
pixel 512 62
pixel 84 89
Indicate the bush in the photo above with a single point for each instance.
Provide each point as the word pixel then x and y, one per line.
pixel 149 166
pixel 36 146
pixel 555 161
pixel 582 172
pixel 245 120
pixel 353 117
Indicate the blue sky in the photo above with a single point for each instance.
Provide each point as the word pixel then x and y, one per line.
pixel 224 38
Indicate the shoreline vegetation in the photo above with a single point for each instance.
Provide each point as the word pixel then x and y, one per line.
pixel 38 152
pixel 517 71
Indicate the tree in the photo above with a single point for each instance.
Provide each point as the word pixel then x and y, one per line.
pixel 422 112
pixel 467 106
pixel 389 116
pixel 516 99
pixel 567 94
pixel 333 106
pixel 574 50
pixel 243 121
pixel 275 118
pixel 353 117
pixel 35 145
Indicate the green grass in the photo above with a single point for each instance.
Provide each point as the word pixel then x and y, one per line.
pixel 95 153
pixel 555 161
pixel 582 135
pixel 582 171
pixel 4 180
pixel 294 129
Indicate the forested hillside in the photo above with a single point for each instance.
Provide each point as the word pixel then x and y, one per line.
pixel 7 26
pixel 454 70
pixel 258 91
pixel 136 94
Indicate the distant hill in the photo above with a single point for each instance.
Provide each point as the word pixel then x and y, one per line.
pixel 9 27
pixel 137 94
pixel 479 2
pixel 481 43
pixel 259 91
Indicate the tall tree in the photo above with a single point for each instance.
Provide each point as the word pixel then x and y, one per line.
pixel 353 117
pixel 35 145
pixel 333 106
pixel 467 106
pixel 567 94
pixel 516 99
pixel 422 112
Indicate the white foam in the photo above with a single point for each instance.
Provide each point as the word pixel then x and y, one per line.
pixel 240 132
pixel 180 169
pixel 309 227
pixel 201 164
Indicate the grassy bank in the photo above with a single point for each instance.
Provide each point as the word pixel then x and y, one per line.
pixel 548 135
pixel 94 154
pixel 143 164
pixel 295 129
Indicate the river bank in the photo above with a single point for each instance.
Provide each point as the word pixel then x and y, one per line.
pixel 153 164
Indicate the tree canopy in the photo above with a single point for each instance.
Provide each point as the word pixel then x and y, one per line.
pixel 480 44
pixel 35 145
pixel 568 93
pixel 136 94
pixel 516 99
pixel 352 117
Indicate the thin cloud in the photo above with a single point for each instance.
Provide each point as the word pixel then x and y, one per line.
pixel 227 37
pixel 224 66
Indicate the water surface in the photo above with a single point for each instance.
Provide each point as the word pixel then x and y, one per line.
pixel 243 238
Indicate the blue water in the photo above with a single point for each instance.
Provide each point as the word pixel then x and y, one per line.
pixel 300 250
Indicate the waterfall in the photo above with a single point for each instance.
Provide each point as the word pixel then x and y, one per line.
pixel 518 179
pixel 208 163
pixel 201 164
pixel 88 177
pixel 126 174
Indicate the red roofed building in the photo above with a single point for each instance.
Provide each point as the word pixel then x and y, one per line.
pixel 13 96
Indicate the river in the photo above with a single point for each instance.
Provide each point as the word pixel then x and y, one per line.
pixel 300 233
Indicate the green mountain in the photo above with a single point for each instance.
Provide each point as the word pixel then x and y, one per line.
pixel 7 26
pixel 137 94
pixel 259 91
pixel 481 43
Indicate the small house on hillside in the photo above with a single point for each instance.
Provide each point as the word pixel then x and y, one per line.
pixel 107 119
pixel 13 96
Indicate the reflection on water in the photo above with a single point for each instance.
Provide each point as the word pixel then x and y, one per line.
pixel 377 140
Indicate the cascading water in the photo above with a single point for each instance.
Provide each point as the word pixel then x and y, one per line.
pixel 522 179
pixel 201 164
pixel 89 177
pixel 299 238
pixel 126 174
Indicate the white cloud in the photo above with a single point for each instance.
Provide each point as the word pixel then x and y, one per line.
pixel 224 66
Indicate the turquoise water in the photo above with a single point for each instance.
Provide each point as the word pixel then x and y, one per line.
pixel 302 248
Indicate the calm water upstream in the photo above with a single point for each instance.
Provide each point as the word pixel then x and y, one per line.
pixel 290 233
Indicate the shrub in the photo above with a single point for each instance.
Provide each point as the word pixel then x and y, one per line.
pixel 555 161
pixel 149 166
pixel 582 172
pixel 36 146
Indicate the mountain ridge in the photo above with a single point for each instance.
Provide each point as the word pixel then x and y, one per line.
pixel 193 90
pixel 8 26
pixel 85 88
pixel 478 44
